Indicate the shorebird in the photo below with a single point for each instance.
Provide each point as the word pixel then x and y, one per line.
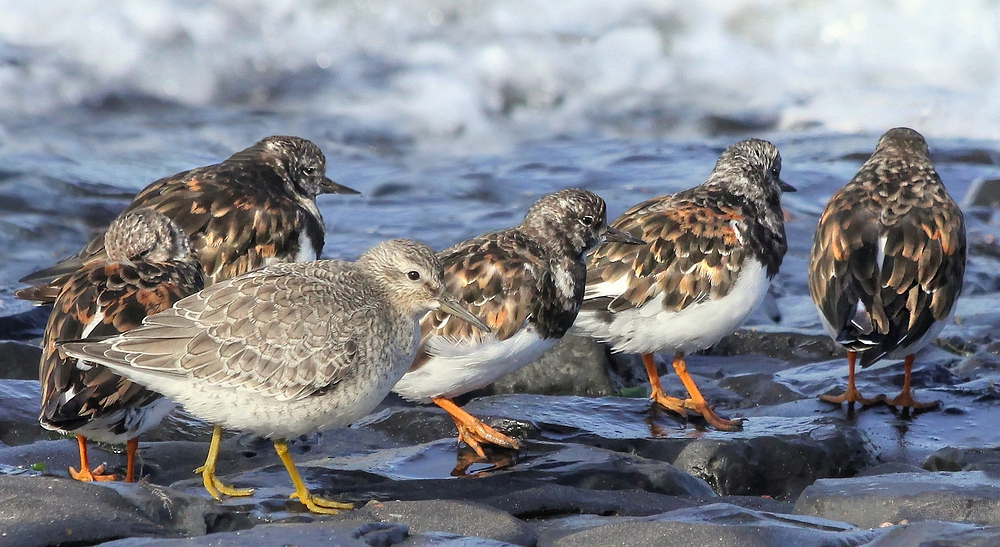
pixel 149 267
pixel 257 207
pixel 887 261
pixel 288 349
pixel 526 283
pixel 710 253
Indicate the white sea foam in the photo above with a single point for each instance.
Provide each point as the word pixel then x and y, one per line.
pixel 504 69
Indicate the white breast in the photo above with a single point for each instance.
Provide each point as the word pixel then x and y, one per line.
pixel 457 368
pixel 651 329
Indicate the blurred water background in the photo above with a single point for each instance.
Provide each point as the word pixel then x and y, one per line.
pixel 453 116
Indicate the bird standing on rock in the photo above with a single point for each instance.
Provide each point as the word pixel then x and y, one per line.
pixel 149 267
pixel 288 349
pixel 709 256
pixel 526 283
pixel 888 260
pixel 257 207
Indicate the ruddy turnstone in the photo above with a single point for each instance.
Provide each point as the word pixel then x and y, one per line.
pixel 887 260
pixel 526 283
pixel 709 254
pixel 149 267
pixel 288 349
pixel 257 207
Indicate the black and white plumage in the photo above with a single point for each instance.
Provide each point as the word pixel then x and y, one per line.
pixel 149 266
pixel 888 259
pixel 257 207
pixel 288 349
pixel 710 253
pixel 526 282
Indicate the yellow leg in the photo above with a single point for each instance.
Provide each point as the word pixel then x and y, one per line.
pixel 85 474
pixel 473 431
pixel 315 504
pixel 212 483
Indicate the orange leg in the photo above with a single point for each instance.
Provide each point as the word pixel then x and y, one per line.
pixel 905 397
pixel 696 401
pixel 852 395
pixel 471 430
pixel 131 447
pixel 85 474
pixel 656 393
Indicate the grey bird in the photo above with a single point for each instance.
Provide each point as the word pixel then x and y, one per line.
pixel 888 260
pixel 288 349
pixel 149 267
pixel 257 207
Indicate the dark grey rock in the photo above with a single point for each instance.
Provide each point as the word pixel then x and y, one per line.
pixel 574 366
pixel 889 468
pixel 964 459
pixel 461 518
pixel 719 525
pixel 283 535
pixel 771 456
pixel 52 511
pixel 18 360
pixel 933 533
pixel 19 419
pixel 971 496
pixel 555 500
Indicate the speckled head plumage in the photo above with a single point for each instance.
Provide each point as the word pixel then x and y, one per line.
pixel 572 218
pixel 409 271
pixel 148 235
pixel 750 170
pixel 299 164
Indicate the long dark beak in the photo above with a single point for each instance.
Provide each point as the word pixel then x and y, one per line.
pixel 618 236
pixel 785 187
pixel 450 305
pixel 327 186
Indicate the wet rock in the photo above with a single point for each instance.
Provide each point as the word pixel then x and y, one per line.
pixel 722 525
pixel 53 511
pixel 19 419
pixel 771 456
pixel 19 361
pixel 939 534
pixel 574 366
pixel 26 322
pixel 455 517
pixel 972 497
pixel 281 535
pixel 964 459
pixel 790 347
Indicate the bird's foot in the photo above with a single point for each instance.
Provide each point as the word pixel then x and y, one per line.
pixel 851 396
pixel 713 419
pixel 475 434
pixel 319 505
pixel 216 488
pixel 905 399
pixel 95 475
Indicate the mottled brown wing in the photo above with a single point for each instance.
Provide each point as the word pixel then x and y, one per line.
pixel 103 300
pixel 877 307
pixel 692 254
pixel 495 283
pixel 236 221
pixel 269 333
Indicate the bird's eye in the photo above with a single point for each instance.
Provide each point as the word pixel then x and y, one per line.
pixel 310 170
pixel 775 171
pixel 587 220
pixel 413 275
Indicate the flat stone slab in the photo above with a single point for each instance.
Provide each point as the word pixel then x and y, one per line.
pixel 719 525
pixel 871 501
pixel 42 511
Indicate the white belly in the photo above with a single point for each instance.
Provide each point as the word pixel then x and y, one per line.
pixel 454 369
pixel 651 329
